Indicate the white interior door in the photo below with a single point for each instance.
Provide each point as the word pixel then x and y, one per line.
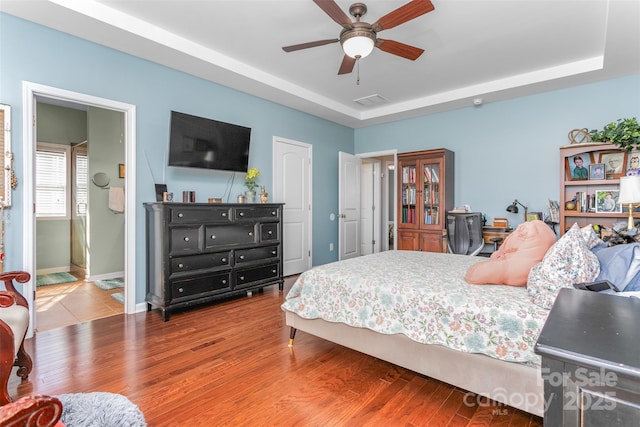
pixel 370 207
pixel 349 205
pixel 292 186
pixel 79 200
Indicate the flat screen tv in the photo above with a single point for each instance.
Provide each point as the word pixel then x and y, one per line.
pixel 197 142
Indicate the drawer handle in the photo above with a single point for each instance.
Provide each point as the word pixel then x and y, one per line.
pixel 273 213
pixel 223 260
pixel 180 215
pixel 186 239
pixel 273 271
pixel 274 252
pixel 241 214
pixel 180 290
pixel 241 256
pixel 224 214
pixel 241 277
pixel 270 232
pixel 251 233
pixel 224 281
pixel 181 265
pixel 213 237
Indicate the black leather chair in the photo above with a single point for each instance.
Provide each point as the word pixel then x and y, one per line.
pixel 464 233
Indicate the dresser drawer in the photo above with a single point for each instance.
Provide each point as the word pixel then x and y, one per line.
pixel 268 231
pixel 199 286
pixel 232 234
pixel 247 276
pixel 185 240
pixel 199 262
pixel 193 215
pixel 257 212
pixel 255 254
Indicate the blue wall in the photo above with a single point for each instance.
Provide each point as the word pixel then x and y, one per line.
pixel 510 149
pixel 504 150
pixel 40 55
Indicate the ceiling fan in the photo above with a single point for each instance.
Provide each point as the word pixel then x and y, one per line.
pixel 358 38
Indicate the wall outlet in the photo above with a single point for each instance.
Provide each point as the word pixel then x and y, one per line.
pixel 330 247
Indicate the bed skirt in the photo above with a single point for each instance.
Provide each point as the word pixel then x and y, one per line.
pixel 514 384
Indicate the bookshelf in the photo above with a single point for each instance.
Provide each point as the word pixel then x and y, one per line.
pixel 425 194
pixel 579 201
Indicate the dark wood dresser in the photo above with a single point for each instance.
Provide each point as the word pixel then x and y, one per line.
pixel 590 348
pixel 197 252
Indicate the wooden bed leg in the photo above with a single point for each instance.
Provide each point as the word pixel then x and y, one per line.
pixel 292 335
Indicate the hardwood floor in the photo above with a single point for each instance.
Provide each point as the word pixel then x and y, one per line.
pixel 228 364
pixel 70 303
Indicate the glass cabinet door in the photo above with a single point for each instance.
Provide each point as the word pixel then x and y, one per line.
pixel 409 194
pixel 431 193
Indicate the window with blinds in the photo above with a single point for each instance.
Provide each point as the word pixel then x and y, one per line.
pixel 52 186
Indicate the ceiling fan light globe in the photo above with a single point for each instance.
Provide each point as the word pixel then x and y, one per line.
pixel 358 46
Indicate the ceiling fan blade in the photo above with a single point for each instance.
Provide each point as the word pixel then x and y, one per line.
pixel 332 9
pixel 400 49
pixel 403 14
pixel 347 65
pixel 308 45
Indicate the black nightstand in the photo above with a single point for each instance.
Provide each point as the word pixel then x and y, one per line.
pixel 590 348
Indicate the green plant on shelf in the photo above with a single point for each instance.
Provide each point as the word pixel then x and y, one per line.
pixel 624 133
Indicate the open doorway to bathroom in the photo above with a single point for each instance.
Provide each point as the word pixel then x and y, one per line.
pixel 79 239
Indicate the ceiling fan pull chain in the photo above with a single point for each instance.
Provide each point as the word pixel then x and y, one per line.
pixel 358 70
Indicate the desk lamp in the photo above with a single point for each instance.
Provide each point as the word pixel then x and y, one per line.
pixel 513 208
pixel 630 194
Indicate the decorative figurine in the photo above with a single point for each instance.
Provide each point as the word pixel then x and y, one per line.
pixel 264 196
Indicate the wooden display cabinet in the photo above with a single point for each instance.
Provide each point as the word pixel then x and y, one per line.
pixel 425 195
pixel 585 212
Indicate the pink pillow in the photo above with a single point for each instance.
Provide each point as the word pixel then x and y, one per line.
pixel 511 263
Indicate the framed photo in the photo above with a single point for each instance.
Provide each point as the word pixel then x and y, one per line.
pixel 633 163
pixel 596 171
pixel 120 170
pixel 532 216
pixel 577 167
pixel 614 163
pixel 607 201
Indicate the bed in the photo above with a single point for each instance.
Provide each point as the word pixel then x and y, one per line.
pixel 416 310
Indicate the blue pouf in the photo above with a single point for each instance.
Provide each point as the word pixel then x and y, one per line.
pixel 99 409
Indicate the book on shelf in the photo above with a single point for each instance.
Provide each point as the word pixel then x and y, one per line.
pixel 409 196
pixel 431 216
pixel 408 175
pixel 408 215
pixel 434 175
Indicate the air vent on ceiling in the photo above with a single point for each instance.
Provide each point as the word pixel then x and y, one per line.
pixel 371 100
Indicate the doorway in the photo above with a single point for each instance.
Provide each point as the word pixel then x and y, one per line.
pixel 375 226
pixel 74 283
pixel 33 93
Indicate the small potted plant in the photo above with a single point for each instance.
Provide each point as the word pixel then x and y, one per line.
pixel 624 133
pixel 250 183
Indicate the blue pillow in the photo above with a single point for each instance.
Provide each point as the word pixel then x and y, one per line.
pixel 620 264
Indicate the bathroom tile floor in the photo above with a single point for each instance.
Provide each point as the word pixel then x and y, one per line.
pixel 70 303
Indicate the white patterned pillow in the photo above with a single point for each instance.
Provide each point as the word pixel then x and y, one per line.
pixel 590 236
pixel 567 262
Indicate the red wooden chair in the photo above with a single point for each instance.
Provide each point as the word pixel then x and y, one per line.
pixel 14 322
pixel 36 411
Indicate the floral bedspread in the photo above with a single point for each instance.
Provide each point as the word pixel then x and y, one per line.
pixel 425 297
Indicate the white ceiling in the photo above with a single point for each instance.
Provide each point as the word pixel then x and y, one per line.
pixel 492 50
